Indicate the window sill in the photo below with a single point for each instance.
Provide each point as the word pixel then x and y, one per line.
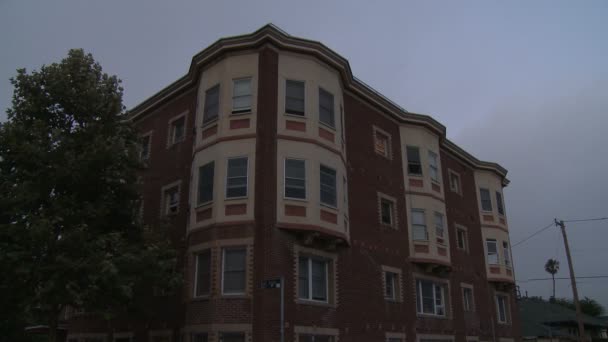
pixel 230 199
pixel 291 199
pixel 324 125
pixel 328 206
pixel 415 175
pixel 203 206
pixel 297 116
pixel 314 303
pixel 421 242
pixel 209 123
pixel 388 226
pixel 241 112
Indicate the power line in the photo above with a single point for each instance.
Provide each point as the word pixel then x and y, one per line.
pixel 563 278
pixel 586 220
pixel 533 235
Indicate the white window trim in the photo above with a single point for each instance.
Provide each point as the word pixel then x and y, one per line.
pixel 226 179
pixel 466 237
pixel 224 248
pixel 444 303
pixel 163 204
pixel 333 109
pixel 464 286
pixel 481 200
pixel 335 207
pixel 310 290
pixel 389 142
pixel 285 180
pixel 170 133
pixel 412 210
pixel 506 307
pixel 459 181
pixel 243 110
pixel 488 252
pixel 432 155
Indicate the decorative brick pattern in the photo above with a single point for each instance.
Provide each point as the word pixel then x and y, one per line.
pixel 295 210
pixel 295 126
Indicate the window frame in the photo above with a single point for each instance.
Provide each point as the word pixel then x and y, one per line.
pixel 199 187
pixel 439 217
pixel 465 234
pixel 388 152
pixel 305 198
pixel 310 297
pixel 223 271
pixel 335 187
pixel 500 206
pixel 468 305
pixel 165 205
pixel 391 210
pixel 146 157
pixel 243 110
pixel 394 279
pixel 206 118
pixel 434 166
pixel 444 290
pixel 412 163
pixel 488 200
pixel 414 225
pixel 171 139
pixel 197 254
pixel 489 240
pixel 332 123
pixel 506 252
pixel 497 299
pixel 290 111
pixel 458 183
pixel 226 196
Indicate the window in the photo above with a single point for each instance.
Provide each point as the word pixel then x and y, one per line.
pixel 414 166
pixel 236 183
pixel 390 285
pixel 486 201
pixel 439 225
pixel 382 143
pixel 326 108
pixel 315 338
pixel 419 231
pixel 233 272
pixel 328 186
pixel 144 153
pixel 499 205
pixel 178 130
pixel 295 178
pixel 202 276
pixel 386 211
pixel 507 255
pixel 171 200
pixel 232 337
pixel 430 298
pixel 461 236
pixel 312 279
pixel 294 97
pixel 454 179
pixel 467 299
pixel 205 183
pixel 433 166
pixel 199 337
pixel 241 95
pixel 212 104
pixel 502 308
pixel 492 251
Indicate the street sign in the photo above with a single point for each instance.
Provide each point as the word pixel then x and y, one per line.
pixel 271 283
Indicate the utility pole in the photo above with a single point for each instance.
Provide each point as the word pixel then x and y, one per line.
pixel 579 317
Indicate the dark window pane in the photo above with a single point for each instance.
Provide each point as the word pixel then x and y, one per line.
pixel 295 178
pixel 386 208
pixel 205 182
pixel 234 270
pixel 294 97
pixel 203 272
pixel 499 205
pixel 319 280
pixel 303 278
pixel 212 102
pixel 236 185
pixel 414 165
pixel 178 127
pixel 326 108
pixel 486 201
pixel 328 186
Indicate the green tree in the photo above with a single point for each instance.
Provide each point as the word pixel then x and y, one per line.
pixel 588 306
pixel 552 266
pixel 69 233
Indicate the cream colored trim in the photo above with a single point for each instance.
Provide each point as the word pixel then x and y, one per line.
pixel 272 35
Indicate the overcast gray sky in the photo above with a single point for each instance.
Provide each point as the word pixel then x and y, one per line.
pixel 522 83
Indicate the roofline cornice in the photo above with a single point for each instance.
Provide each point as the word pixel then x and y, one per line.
pixel 271 34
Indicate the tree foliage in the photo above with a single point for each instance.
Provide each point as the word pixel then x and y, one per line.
pixel 552 266
pixel 69 233
pixel 588 306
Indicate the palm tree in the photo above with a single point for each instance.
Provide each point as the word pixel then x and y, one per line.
pixel 552 266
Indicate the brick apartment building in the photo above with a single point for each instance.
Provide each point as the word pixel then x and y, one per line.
pixel 269 159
